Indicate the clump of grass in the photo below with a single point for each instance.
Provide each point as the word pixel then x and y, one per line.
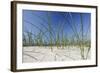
pixel 78 35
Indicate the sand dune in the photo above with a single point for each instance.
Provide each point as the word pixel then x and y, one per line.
pixel 44 54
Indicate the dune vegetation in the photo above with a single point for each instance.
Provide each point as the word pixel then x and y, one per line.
pixel 63 30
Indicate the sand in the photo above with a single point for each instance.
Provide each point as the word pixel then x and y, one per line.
pixel 45 54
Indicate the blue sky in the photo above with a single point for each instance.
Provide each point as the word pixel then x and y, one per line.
pixel 37 21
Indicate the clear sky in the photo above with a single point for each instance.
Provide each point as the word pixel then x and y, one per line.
pixel 68 22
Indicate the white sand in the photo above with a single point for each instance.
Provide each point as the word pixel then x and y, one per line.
pixel 42 54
